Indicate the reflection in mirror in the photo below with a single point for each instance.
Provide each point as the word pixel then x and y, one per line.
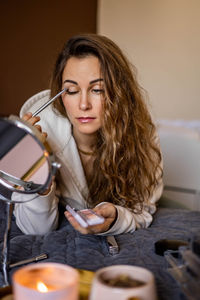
pixel 24 162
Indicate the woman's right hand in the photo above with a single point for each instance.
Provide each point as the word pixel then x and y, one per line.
pixel 33 120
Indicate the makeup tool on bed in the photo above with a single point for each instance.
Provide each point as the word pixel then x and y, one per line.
pixel 113 247
pixel 48 103
pixel 29 260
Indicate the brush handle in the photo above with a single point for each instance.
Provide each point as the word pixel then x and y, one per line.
pixel 47 103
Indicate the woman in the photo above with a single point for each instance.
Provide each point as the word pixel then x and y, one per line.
pixel 102 134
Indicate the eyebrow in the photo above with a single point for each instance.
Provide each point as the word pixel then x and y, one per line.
pixel 96 80
pixel 91 82
pixel 71 81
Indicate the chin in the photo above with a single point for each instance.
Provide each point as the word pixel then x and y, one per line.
pixel 88 129
pixel 88 132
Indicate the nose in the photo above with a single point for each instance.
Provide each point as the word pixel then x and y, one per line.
pixel 84 103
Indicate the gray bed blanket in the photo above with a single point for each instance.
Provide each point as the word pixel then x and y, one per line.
pixel 90 252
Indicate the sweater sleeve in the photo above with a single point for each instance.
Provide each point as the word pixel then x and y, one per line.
pixel 39 215
pixel 127 221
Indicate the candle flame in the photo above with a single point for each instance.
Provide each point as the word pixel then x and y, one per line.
pixel 41 287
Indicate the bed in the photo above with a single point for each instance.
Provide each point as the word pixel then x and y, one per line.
pixel 90 252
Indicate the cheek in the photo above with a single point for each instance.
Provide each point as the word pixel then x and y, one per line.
pixel 100 111
pixel 101 107
pixel 67 104
pixel 69 110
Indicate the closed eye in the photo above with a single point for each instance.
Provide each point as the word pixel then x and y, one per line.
pixel 98 91
pixel 71 92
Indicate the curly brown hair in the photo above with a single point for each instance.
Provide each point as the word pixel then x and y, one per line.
pixel 128 156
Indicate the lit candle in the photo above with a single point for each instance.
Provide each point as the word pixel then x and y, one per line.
pixel 43 281
pixel 41 287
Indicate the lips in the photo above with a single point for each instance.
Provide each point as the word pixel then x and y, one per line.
pixel 85 119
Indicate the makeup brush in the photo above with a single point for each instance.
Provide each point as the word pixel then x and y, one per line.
pixel 48 103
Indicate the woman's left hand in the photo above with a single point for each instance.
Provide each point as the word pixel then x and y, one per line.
pixel 106 210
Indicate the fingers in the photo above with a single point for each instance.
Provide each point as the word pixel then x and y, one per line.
pixel 45 134
pixel 33 120
pixel 27 116
pixel 75 224
pixel 39 128
pixel 107 210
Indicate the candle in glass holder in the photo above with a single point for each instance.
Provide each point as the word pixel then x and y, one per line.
pixel 43 281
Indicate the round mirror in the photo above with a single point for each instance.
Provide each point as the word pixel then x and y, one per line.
pixel 25 163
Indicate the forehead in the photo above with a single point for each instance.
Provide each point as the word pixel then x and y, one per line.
pixel 86 67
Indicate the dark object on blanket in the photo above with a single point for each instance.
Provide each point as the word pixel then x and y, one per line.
pixel 196 245
pixel 163 245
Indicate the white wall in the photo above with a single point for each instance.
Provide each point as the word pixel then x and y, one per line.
pixel 162 39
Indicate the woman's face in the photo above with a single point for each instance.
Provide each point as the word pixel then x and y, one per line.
pixel 85 94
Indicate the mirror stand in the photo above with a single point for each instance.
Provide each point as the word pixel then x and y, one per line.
pixel 5 264
pixel 5 250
